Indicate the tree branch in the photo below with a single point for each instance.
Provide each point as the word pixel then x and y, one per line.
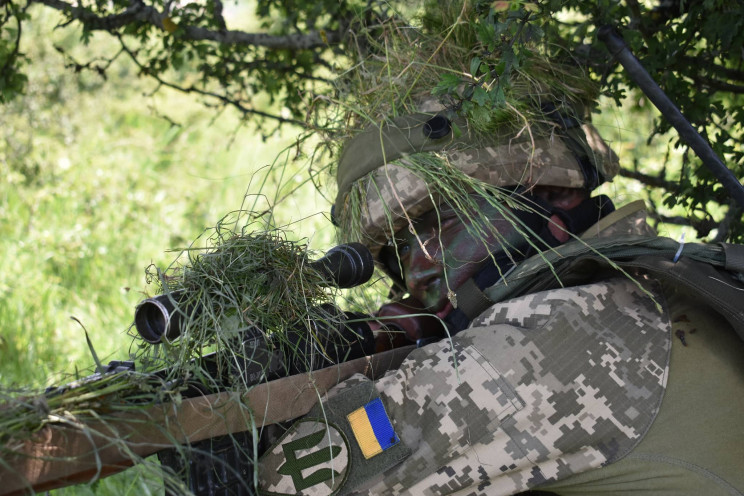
pixel 136 12
pixel 708 65
pixel 653 181
pixel 139 12
pixel 724 228
pixel 261 64
pixel 702 226
pixel 222 98
pixel 91 65
pixel 717 85
pixel 719 78
pixel 13 55
pixel 217 9
pixel 305 41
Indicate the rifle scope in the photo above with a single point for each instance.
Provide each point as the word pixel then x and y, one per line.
pixel 343 266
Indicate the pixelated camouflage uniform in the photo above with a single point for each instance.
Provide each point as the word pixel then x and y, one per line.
pixel 616 385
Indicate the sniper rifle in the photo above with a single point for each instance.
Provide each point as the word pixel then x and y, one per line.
pixel 215 452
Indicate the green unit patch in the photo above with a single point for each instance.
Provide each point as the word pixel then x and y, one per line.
pixel 311 459
pixel 321 454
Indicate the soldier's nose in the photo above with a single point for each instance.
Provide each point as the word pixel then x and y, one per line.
pixel 418 281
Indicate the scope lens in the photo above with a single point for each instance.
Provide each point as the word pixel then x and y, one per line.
pixel 150 320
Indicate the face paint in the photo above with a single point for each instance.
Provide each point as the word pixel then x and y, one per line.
pixel 446 249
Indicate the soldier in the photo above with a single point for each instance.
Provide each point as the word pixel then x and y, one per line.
pixel 536 369
pixel 616 382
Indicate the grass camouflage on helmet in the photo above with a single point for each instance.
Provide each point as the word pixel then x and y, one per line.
pixel 383 182
pixel 434 111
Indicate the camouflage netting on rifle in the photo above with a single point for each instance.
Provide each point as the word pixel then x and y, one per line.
pixel 252 309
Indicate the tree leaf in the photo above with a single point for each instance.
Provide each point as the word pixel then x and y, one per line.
pixel 447 84
pixel 475 63
pixel 500 6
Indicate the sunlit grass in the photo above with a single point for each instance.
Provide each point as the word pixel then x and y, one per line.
pixel 100 179
pixel 96 186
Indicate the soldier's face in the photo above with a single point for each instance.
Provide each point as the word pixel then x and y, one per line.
pixel 444 251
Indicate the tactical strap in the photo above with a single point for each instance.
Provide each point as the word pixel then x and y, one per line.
pixel 471 300
pixel 734 257
pixel 713 286
pixel 713 272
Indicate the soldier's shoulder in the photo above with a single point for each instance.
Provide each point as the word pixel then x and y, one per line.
pixel 597 299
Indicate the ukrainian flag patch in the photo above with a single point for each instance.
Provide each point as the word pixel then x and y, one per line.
pixel 372 428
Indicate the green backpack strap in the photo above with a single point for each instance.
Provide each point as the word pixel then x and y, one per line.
pixel 715 273
pixel 734 257
pixel 717 287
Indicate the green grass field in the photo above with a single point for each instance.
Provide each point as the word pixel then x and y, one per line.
pixel 97 185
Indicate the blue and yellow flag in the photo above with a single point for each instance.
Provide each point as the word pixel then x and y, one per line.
pixel 372 428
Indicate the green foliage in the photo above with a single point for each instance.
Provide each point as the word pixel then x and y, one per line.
pixel 142 142
pixel 510 65
pixel 99 179
pixel 693 49
pixel 694 52
pixel 12 60
pixel 287 52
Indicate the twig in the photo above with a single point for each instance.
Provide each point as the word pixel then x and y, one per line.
pixel 222 98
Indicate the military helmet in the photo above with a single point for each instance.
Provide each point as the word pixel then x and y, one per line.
pixel 431 114
pixel 380 190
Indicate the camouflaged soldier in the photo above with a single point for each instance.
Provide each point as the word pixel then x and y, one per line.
pixel 613 383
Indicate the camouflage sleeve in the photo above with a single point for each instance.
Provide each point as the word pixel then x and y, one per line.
pixel 539 388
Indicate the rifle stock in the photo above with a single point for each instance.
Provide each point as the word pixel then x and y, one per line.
pixel 70 450
pixel 73 452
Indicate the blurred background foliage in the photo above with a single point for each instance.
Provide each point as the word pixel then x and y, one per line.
pixel 100 177
pixel 272 63
pixel 129 127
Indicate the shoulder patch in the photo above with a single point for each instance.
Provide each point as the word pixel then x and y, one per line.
pixel 342 443
pixel 372 428
pixel 312 459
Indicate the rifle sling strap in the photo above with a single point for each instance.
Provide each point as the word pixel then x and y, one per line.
pixel 471 299
pixel 715 273
pixel 734 257
pixel 715 287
